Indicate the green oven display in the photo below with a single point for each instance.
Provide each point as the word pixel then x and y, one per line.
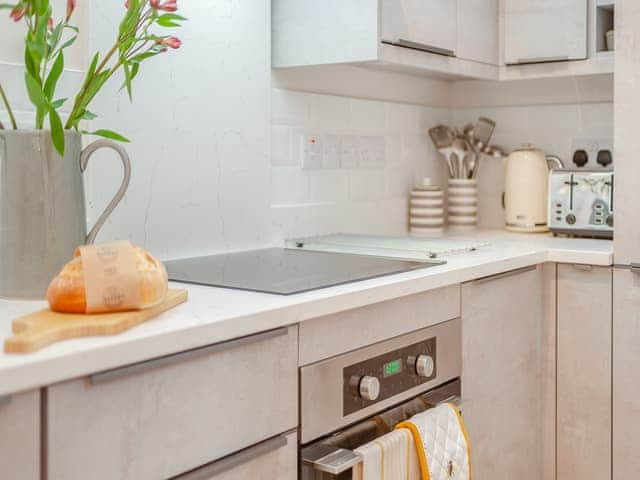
pixel 392 368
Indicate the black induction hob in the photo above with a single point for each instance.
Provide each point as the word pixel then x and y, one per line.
pixel 284 271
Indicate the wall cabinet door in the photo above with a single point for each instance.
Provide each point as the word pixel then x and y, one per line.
pixel 424 24
pixel 584 372
pixel 478 31
pixel 626 365
pixel 20 436
pixel 544 30
pixel 508 381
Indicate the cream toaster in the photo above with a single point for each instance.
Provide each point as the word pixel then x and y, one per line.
pixel 581 202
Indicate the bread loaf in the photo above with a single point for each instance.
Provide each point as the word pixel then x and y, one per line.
pixel 66 292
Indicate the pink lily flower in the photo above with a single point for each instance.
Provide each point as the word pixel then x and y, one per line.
pixel 166 6
pixel 171 42
pixel 17 14
pixel 71 6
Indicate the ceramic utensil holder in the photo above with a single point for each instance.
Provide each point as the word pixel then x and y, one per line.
pixel 462 206
pixel 426 210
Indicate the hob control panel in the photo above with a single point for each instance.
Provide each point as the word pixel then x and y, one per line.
pixel 376 379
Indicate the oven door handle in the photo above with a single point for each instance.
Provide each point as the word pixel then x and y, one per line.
pixel 335 461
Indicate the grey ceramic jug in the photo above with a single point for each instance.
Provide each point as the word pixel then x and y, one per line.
pixel 42 207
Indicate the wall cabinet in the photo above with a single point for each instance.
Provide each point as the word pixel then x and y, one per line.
pixel 429 25
pixel 626 364
pixel 544 30
pixel 508 330
pixel 171 415
pixel 20 436
pixel 584 372
pixel 457 38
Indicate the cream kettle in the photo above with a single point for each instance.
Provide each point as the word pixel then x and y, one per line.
pixel 526 189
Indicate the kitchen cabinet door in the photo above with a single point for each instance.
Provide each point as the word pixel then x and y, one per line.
pixel 276 458
pixel 429 25
pixel 478 31
pixel 544 30
pixel 584 372
pixel 626 240
pixel 508 380
pixel 626 365
pixel 20 436
pixel 169 415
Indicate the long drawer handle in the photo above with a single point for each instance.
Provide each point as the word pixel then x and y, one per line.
pixel 634 267
pixel 562 58
pixel 115 373
pixel 225 464
pixel 5 400
pixel 403 42
pixel 498 276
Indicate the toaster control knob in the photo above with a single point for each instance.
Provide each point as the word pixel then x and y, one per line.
pixel 571 219
pixel 369 388
pixel 425 366
pixel 610 220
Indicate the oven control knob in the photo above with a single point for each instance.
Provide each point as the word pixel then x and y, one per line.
pixel 424 366
pixel 369 388
pixel 571 219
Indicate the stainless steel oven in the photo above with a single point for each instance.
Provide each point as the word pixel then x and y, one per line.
pixel 350 399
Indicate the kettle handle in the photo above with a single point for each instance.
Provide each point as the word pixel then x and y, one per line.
pixel 554 161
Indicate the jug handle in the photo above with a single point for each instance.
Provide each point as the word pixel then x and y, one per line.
pixel 84 161
pixel 553 159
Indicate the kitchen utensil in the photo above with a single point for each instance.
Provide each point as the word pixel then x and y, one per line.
pixel 448 155
pixel 441 136
pixel 37 330
pixel 471 164
pixel 460 147
pixel 483 131
pixel 581 202
pixel 495 151
pixel 526 189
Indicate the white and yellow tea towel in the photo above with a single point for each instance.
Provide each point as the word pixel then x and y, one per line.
pixel 390 457
pixel 441 442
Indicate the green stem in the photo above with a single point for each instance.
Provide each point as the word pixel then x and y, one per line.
pixel 5 100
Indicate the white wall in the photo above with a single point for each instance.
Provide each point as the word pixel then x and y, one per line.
pixel 11 62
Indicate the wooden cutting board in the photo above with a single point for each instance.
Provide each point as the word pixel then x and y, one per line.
pixel 39 329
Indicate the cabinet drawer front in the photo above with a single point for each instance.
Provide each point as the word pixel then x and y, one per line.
pixel 174 417
pixel 276 458
pixel 334 334
pixel 20 436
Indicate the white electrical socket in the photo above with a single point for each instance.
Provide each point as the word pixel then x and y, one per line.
pixel 372 151
pixel 350 157
pixel 332 151
pixel 311 151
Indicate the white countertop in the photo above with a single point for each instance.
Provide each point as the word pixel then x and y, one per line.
pixel 214 314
